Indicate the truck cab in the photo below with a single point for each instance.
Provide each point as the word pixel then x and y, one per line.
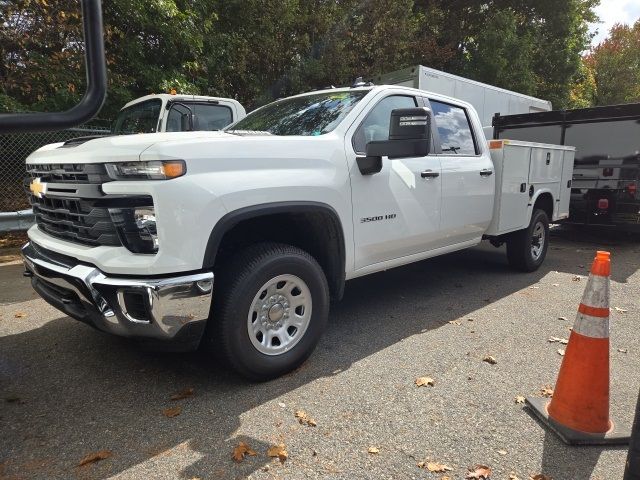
pixel 176 113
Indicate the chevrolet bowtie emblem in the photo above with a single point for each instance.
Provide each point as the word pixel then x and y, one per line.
pixel 38 188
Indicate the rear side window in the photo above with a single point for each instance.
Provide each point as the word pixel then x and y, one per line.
pixel 454 129
pixel 207 117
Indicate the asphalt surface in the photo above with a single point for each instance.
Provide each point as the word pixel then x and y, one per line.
pixel 67 390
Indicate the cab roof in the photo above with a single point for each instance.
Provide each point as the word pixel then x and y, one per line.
pixel 181 97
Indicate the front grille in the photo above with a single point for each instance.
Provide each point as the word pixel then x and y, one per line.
pixel 63 213
pixel 95 173
pixel 75 219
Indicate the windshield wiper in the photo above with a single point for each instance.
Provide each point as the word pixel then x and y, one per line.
pixel 248 132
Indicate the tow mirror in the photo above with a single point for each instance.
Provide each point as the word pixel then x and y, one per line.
pixel 409 136
pixel 96 92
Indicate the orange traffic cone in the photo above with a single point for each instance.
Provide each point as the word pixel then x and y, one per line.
pixel 579 409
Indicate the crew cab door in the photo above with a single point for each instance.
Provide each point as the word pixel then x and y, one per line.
pixel 468 177
pixel 396 212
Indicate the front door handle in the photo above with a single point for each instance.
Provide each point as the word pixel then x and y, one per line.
pixel 429 174
pixel 486 172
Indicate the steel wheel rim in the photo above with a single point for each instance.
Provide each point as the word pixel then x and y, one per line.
pixel 537 240
pixel 279 315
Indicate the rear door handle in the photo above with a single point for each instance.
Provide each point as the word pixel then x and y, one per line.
pixel 486 172
pixel 429 174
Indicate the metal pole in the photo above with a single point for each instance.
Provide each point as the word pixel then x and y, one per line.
pixel 632 468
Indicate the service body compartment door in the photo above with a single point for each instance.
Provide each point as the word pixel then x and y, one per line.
pixel 514 196
pixel 565 184
pixel 511 163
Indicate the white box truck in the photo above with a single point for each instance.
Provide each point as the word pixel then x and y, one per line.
pixel 486 99
pixel 280 208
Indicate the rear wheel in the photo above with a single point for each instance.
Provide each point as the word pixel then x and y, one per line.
pixel 271 305
pixel 527 249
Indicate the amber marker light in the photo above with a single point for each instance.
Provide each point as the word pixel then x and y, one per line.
pixel 173 169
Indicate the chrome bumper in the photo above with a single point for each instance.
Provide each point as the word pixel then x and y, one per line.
pixel 173 309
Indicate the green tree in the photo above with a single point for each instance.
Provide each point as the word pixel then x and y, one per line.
pixel 258 50
pixel 615 64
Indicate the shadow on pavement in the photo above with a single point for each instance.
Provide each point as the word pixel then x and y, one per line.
pixel 563 462
pixel 14 287
pixel 80 391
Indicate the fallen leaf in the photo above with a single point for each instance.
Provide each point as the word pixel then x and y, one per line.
pixel 424 381
pixel 278 451
pixel 435 467
pixel 563 341
pixel 490 360
pixel 446 477
pixel 373 450
pixel 470 319
pixel 540 476
pixel 187 392
pixel 479 472
pixel 94 457
pixel 560 352
pixel 454 322
pixel 520 399
pixel 546 391
pixel 172 412
pixel 513 476
pixel 620 310
pixel 305 419
pixel 241 450
pixel 562 318
pixel 576 278
pixel 623 350
pixel 20 315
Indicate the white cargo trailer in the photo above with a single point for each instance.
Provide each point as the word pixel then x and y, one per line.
pixel 486 99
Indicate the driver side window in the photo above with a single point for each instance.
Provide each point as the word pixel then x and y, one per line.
pixel 376 125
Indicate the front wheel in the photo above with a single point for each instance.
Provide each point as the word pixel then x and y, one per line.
pixel 527 249
pixel 269 311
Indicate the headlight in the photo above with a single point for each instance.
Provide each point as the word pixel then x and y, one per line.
pixel 153 170
pixel 136 228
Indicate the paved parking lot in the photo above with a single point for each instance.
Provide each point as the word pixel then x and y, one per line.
pixel 68 391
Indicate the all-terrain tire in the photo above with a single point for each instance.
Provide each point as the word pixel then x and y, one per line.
pixel 527 249
pixel 232 332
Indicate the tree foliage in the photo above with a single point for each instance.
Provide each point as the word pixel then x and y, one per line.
pixel 257 50
pixel 615 66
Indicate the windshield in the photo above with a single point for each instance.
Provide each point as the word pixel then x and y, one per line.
pixel 307 115
pixel 139 118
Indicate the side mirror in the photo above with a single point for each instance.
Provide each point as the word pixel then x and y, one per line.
pixel 187 122
pixel 409 136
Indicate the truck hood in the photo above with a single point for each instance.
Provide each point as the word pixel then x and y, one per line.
pixel 231 152
pixel 119 148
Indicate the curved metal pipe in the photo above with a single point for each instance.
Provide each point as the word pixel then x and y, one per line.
pixel 96 92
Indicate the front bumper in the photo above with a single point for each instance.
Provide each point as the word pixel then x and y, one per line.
pixel 168 312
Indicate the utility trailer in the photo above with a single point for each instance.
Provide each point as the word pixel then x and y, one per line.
pixel 607 165
pixel 485 98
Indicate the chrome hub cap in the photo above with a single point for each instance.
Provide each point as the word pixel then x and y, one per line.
pixel 537 241
pixel 280 314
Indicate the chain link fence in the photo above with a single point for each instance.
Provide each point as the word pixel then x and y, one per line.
pixel 15 148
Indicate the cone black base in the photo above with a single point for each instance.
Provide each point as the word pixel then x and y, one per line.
pixel 615 436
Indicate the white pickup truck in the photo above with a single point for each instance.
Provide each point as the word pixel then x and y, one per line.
pixel 280 208
pixel 172 112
